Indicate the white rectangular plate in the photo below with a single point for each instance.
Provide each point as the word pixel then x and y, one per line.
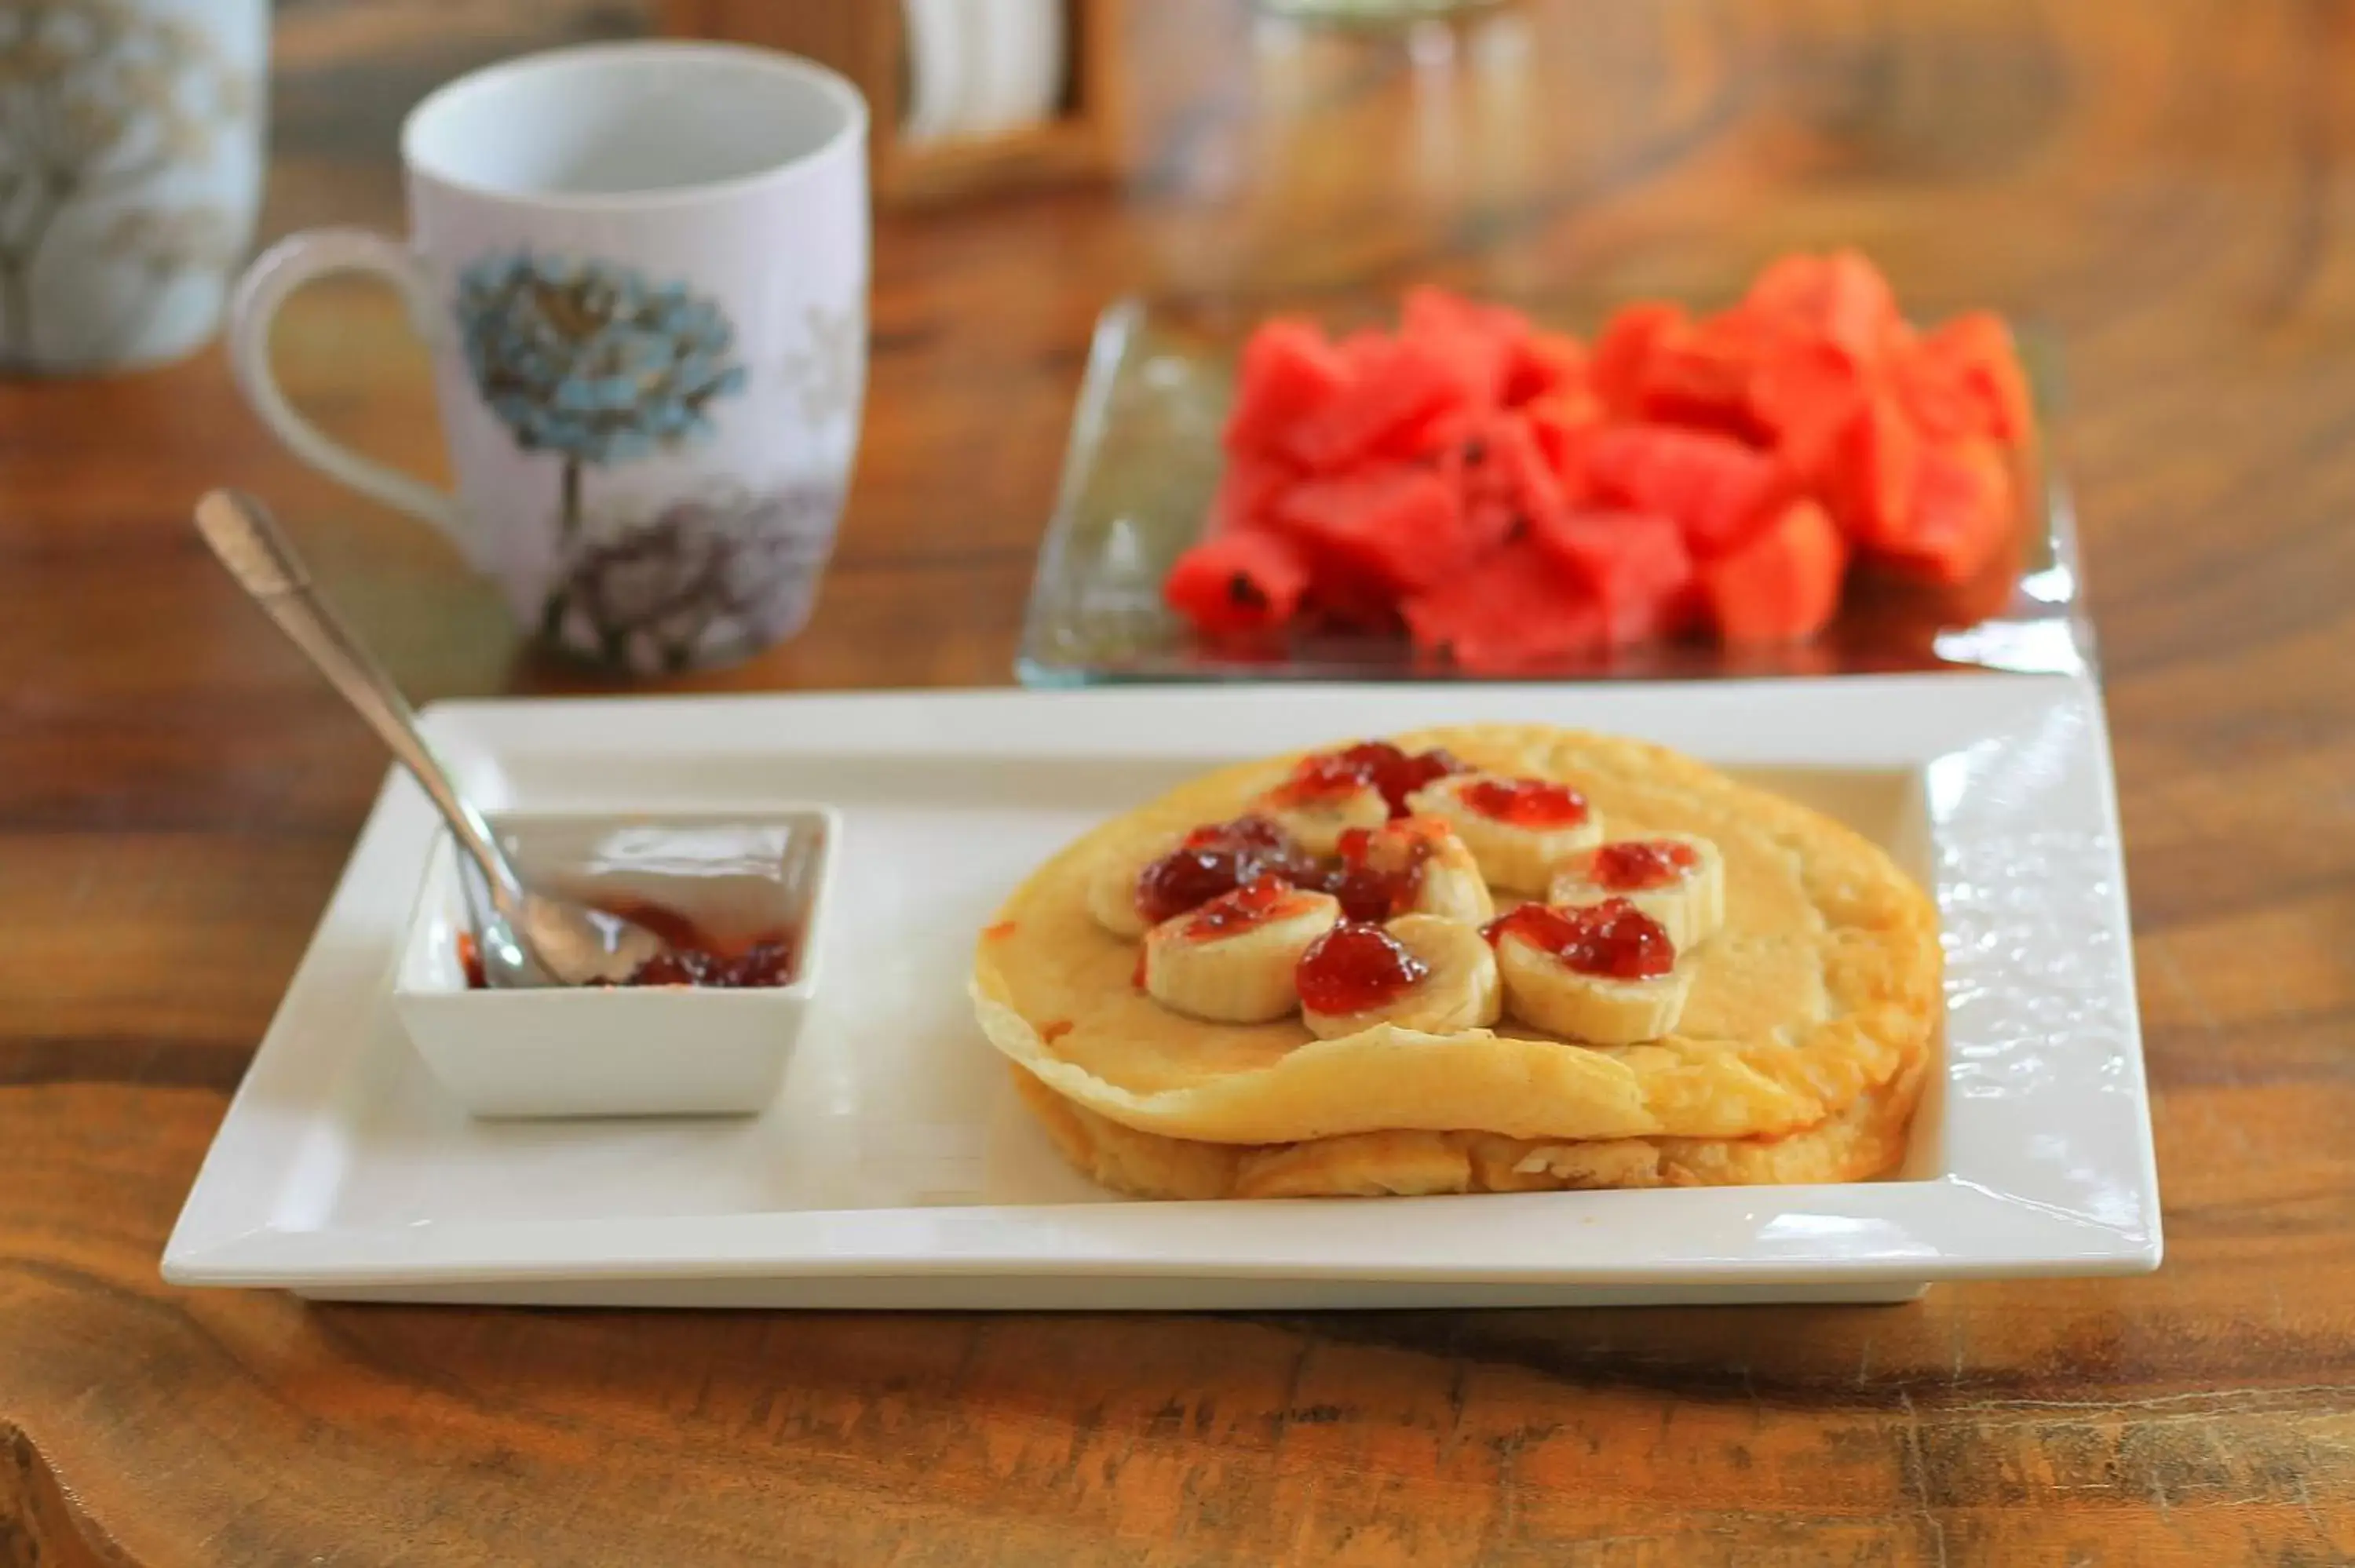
pixel 897 1171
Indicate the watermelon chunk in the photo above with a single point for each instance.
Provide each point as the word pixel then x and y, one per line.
pixel 1699 375
pixel 1716 488
pixel 1349 602
pixel 1874 465
pixel 1625 347
pixel 1508 484
pixel 1483 339
pixel 1288 371
pixel 1803 393
pixel 1545 364
pixel 1518 462
pixel 1635 563
pixel 1396 384
pixel 1784 583
pixel 1238 582
pixel 1399 525
pixel 1936 395
pixel 1515 611
pixel 1246 493
pixel 1841 300
pixel 1961 515
pixel 1436 439
pixel 1966 379
pixel 1522 500
pixel 1561 421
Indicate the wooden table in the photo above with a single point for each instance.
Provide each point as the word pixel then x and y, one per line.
pixel 2162 182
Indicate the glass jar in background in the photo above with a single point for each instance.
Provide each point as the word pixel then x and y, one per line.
pixel 1294 146
pixel 1371 12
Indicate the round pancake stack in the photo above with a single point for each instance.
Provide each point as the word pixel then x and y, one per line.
pixel 1798 1057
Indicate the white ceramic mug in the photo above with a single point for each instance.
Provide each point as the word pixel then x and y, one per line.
pixel 642 269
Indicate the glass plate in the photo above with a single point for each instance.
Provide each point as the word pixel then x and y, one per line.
pixel 1143 458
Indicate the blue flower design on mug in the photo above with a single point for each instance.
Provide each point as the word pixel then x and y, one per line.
pixel 593 361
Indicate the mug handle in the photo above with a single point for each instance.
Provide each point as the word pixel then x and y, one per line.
pixel 274 276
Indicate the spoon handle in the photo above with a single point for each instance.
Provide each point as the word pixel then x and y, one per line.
pixel 258 554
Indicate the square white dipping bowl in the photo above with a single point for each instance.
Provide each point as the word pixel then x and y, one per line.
pixel 625 1050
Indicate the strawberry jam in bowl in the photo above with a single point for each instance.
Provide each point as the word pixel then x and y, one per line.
pixel 691 955
pixel 739 898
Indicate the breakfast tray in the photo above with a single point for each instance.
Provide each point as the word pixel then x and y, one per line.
pixel 896 1168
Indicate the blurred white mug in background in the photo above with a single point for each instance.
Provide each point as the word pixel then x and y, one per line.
pixel 130 174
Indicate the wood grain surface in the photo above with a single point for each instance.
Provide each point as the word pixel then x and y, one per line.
pixel 2164 184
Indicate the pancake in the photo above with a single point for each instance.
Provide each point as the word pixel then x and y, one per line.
pixel 1810 1010
pixel 1866 1139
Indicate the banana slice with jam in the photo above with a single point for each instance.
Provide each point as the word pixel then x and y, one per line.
pixel 1232 960
pixel 1414 865
pixel 1519 830
pixel 1679 879
pixel 1131 890
pixel 1602 973
pixel 1419 971
pixel 1361 786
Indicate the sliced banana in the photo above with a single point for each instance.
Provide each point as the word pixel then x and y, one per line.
pixel 1317 821
pixel 1513 857
pixel 1450 885
pixel 1238 975
pixel 1691 907
pixel 1111 887
pixel 1461 992
pixel 1547 994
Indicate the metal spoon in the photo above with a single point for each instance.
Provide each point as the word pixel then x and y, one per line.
pixel 530 938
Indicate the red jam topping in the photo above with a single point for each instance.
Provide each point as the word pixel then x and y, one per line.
pixel 1217 860
pixel 1613 938
pixel 1397 774
pixel 1255 903
pixel 1329 777
pixel 762 964
pixel 1352 968
pixel 702 957
pixel 695 957
pixel 1368 892
pixel 1533 803
pixel 1376 764
pixel 1254 832
pixel 1638 865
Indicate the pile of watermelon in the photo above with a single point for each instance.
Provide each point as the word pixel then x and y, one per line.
pixel 1510 497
